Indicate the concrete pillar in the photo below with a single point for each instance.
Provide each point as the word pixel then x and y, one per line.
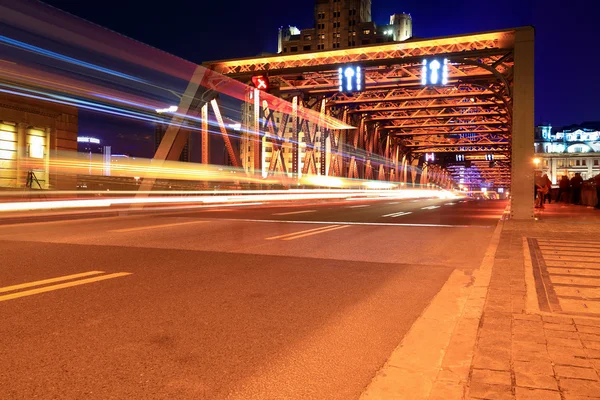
pixel 523 126
pixel 553 163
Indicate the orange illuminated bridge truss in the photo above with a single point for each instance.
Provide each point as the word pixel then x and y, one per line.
pixel 462 114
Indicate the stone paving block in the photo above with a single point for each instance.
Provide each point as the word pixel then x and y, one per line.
pixel 527 324
pixel 491 377
pixel 537 337
pixel 559 327
pixel 487 361
pixel 568 359
pixel 527 317
pixel 590 344
pixel 535 367
pixel 536 394
pixel 587 322
pixel 497 341
pixel 536 381
pixel 446 391
pixel 590 337
pixel 562 334
pixel 518 346
pixel 569 351
pixel 557 319
pixel 592 353
pixel 580 387
pixel 576 372
pixel 589 329
pixel 554 341
pixel 491 392
pixel 568 396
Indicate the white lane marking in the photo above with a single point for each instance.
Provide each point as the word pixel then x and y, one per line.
pixel 360 206
pixel 414 201
pixel 394 202
pixel 450 204
pixel 397 214
pixel 430 207
pixel 292 234
pixel 140 228
pixel 354 223
pixel 296 212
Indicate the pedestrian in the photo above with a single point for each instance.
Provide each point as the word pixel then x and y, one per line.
pixel 576 184
pixel 563 188
pixel 547 196
pixel 597 181
pixel 540 189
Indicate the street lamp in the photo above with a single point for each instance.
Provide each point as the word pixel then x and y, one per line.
pixel 536 161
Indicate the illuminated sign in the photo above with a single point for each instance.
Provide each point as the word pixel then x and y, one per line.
pixel 351 79
pixel 434 72
pixel 85 139
pixel 429 157
pixel 260 82
pixel 460 157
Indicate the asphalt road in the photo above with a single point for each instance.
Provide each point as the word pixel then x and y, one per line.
pixel 288 301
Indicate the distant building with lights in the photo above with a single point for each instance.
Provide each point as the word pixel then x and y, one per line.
pixel 341 24
pixel 569 150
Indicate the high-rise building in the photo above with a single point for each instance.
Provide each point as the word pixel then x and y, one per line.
pixel 341 24
pixel 159 133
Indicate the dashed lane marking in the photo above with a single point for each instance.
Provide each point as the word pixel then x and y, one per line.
pixel 300 232
pixel 397 214
pixel 296 212
pixel 318 232
pixel 430 207
pixel 359 206
pixel 140 228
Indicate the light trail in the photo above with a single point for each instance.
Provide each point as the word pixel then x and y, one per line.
pixel 242 197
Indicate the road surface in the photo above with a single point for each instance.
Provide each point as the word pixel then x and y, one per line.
pixel 269 301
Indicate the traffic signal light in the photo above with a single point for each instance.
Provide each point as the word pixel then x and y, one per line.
pixel 261 82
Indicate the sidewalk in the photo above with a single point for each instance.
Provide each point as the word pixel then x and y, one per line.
pixel 539 335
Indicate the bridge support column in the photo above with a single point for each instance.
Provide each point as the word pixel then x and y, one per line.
pixel 523 126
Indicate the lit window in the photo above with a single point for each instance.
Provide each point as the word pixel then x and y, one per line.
pixel 366 31
pixel 307 37
pixel 36 147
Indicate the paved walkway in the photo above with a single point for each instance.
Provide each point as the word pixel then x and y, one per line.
pixel 539 335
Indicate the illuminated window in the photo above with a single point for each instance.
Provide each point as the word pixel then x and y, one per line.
pixel 307 37
pixel 322 36
pixel 366 31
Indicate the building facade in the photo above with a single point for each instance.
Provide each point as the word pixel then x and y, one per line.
pixel 568 151
pixel 32 132
pixel 341 24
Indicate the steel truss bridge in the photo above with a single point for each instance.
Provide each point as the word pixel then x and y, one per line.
pixel 482 115
pixel 397 117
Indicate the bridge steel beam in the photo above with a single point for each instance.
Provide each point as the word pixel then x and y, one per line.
pixel 475 114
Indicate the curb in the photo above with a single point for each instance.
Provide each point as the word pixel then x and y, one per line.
pixel 434 359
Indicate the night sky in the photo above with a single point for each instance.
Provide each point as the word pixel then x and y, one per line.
pixel 567 34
